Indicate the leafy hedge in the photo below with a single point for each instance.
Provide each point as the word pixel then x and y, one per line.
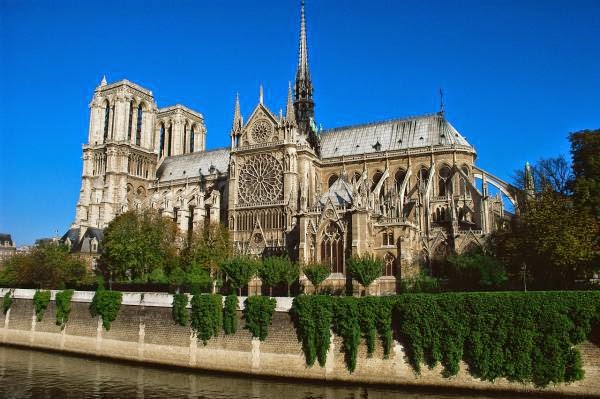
pixel 63 307
pixel 207 315
pixel 41 299
pixel 106 304
pixel 7 302
pixel 230 314
pixel 525 337
pixel 258 313
pixel 179 309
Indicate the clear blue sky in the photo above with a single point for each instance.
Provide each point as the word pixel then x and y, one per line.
pixel 518 76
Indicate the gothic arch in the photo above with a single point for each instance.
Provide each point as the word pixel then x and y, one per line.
pixel 331 246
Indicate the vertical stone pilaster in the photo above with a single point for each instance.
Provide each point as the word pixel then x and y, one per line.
pixel 193 348
pixel 32 331
pixel 255 354
pixel 330 362
pixel 141 340
pixel 6 322
pixel 99 336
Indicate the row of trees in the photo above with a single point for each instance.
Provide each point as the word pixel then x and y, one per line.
pixel 555 241
pixel 48 265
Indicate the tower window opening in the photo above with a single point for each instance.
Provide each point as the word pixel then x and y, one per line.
pixel 138 130
pixel 192 140
pixel 162 140
pixel 106 119
pixel 130 126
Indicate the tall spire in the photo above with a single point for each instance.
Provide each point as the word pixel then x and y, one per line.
pixel 304 106
pixel 302 72
pixel 289 108
pixel 237 115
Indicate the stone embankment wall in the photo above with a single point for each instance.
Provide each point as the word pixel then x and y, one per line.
pixel 144 331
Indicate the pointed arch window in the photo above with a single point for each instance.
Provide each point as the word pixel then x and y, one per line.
pixel 390 265
pixel 106 119
pixel 376 177
pixel 138 130
pixel 162 140
pixel 130 126
pixel 332 248
pixel 169 139
pixel 192 139
pixel 423 176
pixel 184 137
pixel 444 179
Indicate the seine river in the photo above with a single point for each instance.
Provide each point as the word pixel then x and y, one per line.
pixel 32 374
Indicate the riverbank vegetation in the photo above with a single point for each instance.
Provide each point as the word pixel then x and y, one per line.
pixel 524 337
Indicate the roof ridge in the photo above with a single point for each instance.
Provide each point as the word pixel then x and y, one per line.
pixel 224 148
pixel 381 122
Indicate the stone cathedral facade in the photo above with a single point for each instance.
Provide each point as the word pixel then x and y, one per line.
pixel 406 190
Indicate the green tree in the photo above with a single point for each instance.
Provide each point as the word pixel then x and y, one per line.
pixel 240 270
pixel 585 150
pixel 289 275
pixel 48 265
pixel 208 248
pixel 136 243
pixel 365 269
pixel 475 271
pixel 316 273
pixel 272 269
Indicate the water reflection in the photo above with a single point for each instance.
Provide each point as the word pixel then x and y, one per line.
pixel 32 374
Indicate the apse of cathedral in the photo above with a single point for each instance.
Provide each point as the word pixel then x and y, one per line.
pixel 406 190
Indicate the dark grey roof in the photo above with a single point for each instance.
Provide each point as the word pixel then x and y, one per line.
pixel 6 237
pixel 340 192
pixel 83 245
pixel 397 134
pixel 193 165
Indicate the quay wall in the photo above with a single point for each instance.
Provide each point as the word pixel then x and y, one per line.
pixel 144 331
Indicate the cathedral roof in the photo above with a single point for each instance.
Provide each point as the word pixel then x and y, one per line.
pixel 194 165
pixel 397 134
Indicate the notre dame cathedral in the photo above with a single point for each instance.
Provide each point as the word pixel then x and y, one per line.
pixel 406 190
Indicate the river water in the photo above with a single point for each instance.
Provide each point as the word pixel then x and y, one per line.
pixel 32 374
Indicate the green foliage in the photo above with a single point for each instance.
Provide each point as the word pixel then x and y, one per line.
pixel 41 299
pixel 179 309
pixel 177 276
pixel 230 314
pixel 365 269
pixel 7 302
pixel 48 265
pixel 420 283
pixel 313 315
pixel 273 269
pixel 106 304
pixel 63 307
pixel 525 337
pixel 137 243
pixel 158 276
pixel 347 325
pixel 475 271
pixel 258 312
pixel 207 314
pixel 240 271
pixel 289 275
pixel 198 279
pixel 585 149
pixel 316 273
pixel 208 248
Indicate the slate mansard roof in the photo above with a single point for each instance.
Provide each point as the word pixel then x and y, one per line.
pixel 397 134
pixel 194 165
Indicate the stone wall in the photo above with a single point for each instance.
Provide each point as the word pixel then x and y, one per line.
pixel 144 331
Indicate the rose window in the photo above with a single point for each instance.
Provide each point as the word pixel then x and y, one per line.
pixel 261 131
pixel 261 180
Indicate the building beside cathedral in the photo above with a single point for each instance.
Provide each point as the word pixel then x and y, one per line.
pixel 406 189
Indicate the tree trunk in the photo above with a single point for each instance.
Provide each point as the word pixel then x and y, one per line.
pixel 288 287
